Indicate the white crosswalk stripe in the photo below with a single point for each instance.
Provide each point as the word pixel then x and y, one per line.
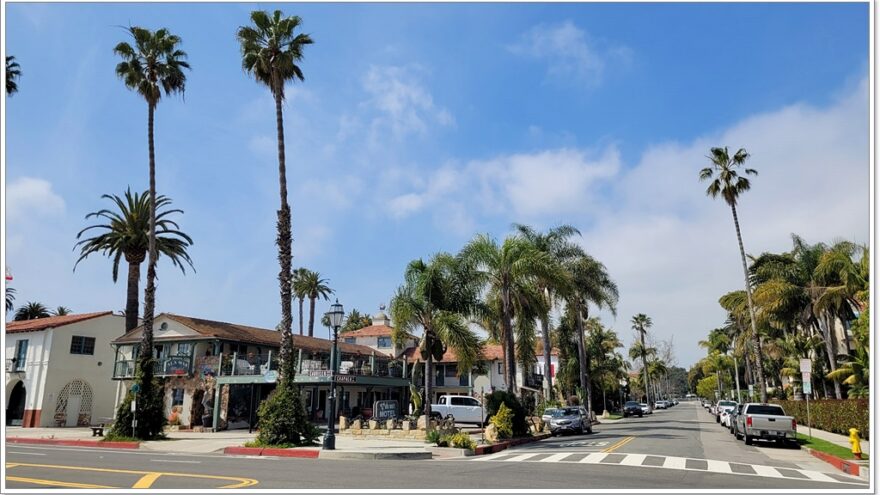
pixel 680 463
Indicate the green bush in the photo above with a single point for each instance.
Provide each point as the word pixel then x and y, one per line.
pixel 433 436
pixel 503 421
pixel 283 419
pixel 460 440
pixel 150 413
pixel 493 404
pixel 836 416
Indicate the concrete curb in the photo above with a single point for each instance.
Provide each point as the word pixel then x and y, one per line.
pixel 848 467
pixel 343 454
pixel 498 447
pixel 75 443
pixel 260 451
pixel 450 452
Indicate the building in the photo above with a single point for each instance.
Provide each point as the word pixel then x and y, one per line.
pixel 206 362
pixel 378 336
pixel 73 390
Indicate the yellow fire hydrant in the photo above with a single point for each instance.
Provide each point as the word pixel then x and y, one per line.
pixel 856 443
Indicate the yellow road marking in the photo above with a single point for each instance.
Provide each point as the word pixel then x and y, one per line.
pixel 241 482
pixel 147 480
pixel 619 444
pixel 35 481
pixel 10 465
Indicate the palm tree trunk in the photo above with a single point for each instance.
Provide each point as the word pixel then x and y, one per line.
pixel 509 356
pixel 645 365
pixel 301 299
pixel 548 380
pixel 429 379
pixel 312 315
pixel 582 364
pixel 146 355
pixel 285 254
pixel 132 301
pixel 756 339
pixel 736 374
pixel 828 332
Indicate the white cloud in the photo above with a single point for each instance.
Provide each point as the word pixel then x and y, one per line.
pixel 29 197
pixel 404 106
pixel 338 193
pixel 569 52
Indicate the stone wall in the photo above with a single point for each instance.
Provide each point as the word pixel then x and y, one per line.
pixel 385 430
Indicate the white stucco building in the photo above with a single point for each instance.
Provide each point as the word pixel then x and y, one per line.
pixel 76 388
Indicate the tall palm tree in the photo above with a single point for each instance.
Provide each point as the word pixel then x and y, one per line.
pixel 726 181
pixel 125 233
pixel 32 311
pixel 315 287
pixel 510 270
pixel 153 66
pixel 61 311
pixel 299 292
pixel 13 72
pixel 270 51
pixel 554 242
pixel 10 298
pixel 437 297
pixel 641 323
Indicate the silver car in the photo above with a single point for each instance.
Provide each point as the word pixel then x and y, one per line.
pixel 571 419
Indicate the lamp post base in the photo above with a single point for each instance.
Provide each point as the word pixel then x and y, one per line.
pixel 329 441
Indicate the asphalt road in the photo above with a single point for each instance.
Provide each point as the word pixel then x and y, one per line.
pixel 666 450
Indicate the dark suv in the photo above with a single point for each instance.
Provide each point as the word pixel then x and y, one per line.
pixel 632 408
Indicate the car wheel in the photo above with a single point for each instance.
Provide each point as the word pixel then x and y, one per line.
pixel 748 439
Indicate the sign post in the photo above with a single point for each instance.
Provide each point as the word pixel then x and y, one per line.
pixel 134 390
pixel 806 368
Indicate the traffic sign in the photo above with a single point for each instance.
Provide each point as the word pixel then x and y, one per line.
pixel 805 376
pixel 806 365
pixel 136 388
pixel 808 387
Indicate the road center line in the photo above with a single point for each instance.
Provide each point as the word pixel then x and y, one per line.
pixel 146 480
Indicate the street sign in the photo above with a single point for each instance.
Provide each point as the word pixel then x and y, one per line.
pixel 808 387
pixel 136 388
pixel 806 365
pixel 751 389
pixel 133 406
pixel 271 376
pixel 805 376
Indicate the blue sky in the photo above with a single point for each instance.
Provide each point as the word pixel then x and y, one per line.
pixel 421 125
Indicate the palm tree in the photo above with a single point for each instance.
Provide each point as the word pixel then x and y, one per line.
pixel 315 287
pixel 510 270
pixel 437 297
pixel 641 323
pixel 270 52
pixel 10 298
pixel 61 311
pixel 299 292
pixel 555 242
pixel 727 182
pixel 32 311
pixel 126 234
pixel 13 72
pixel 153 66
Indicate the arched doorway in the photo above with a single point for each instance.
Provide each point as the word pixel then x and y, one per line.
pixel 74 405
pixel 15 406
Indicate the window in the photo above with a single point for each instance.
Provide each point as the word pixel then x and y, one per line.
pixel 82 345
pixel 442 400
pixel 238 348
pixel 451 371
pixel 176 397
pixel 500 369
pixel 20 354
pixel 384 342
pixel 465 401
pixel 184 349
pixel 350 340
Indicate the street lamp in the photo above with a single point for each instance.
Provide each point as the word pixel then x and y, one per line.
pixel 335 316
pixel 622 385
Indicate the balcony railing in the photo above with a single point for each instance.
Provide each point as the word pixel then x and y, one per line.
pixel 322 367
pixel 166 366
pixel 236 364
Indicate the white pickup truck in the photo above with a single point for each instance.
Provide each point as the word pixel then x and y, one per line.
pixel 461 407
pixel 765 422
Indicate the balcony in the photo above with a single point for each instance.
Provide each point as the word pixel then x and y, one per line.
pixel 162 367
pixel 245 364
pixel 322 367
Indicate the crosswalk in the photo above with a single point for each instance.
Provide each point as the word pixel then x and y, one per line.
pixel 668 462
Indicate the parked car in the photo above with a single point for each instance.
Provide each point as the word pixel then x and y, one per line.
pixel 547 415
pixel 570 419
pixel 724 417
pixel 720 406
pixel 462 408
pixel 660 404
pixel 632 408
pixel 646 409
pixel 731 423
pixel 765 422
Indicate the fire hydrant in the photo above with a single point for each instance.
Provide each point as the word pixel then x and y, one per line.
pixel 856 443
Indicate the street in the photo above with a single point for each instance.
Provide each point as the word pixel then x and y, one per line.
pixel 677 448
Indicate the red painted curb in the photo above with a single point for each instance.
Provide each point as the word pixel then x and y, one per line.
pixel 847 467
pixel 498 447
pixel 76 443
pixel 301 453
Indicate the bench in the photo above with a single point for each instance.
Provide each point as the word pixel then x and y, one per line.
pixel 98 431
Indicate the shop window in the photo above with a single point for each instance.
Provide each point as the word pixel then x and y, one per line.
pixel 82 345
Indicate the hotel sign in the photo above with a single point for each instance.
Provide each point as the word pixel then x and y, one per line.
pixel 345 378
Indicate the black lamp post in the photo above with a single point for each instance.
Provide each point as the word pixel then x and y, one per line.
pixel 335 316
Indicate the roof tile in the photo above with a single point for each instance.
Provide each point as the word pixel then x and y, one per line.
pixel 38 324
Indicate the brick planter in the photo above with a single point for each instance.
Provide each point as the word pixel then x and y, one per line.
pixel 848 467
pixel 75 443
pixel 301 453
pixel 498 447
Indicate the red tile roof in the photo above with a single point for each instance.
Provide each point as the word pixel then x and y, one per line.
pixel 491 352
pixel 50 322
pixel 373 331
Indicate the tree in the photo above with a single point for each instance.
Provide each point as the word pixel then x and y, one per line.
pixel 13 72
pixel 726 181
pixel 855 369
pixel 641 323
pixel 555 242
pixel 10 298
pixel 510 270
pixel 299 291
pixel 355 321
pixel 61 311
pixel 125 233
pixel 32 311
pixel 153 66
pixel 270 51
pixel 437 297
pixel 315 287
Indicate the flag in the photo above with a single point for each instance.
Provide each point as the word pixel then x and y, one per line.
pixel 8 275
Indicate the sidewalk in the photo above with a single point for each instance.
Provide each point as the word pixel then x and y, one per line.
pixel 834 438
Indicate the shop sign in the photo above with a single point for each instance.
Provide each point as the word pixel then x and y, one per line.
pixel 177 366
pixel 384 409
pixel 345 378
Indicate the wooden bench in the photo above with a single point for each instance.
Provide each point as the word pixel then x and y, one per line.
pixel 98 431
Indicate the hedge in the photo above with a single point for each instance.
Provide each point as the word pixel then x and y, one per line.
pixel 836 416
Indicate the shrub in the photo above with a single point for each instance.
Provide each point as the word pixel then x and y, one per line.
pixel 493 403
pixel 283 419
pixel 836 416
pixel 150 413
pixel 503 421
pixel 460 440
pixel 432 436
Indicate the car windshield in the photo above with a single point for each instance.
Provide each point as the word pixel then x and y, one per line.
pixel 568 411
pixel 632 404
pixel 727 403
pixel 549 411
